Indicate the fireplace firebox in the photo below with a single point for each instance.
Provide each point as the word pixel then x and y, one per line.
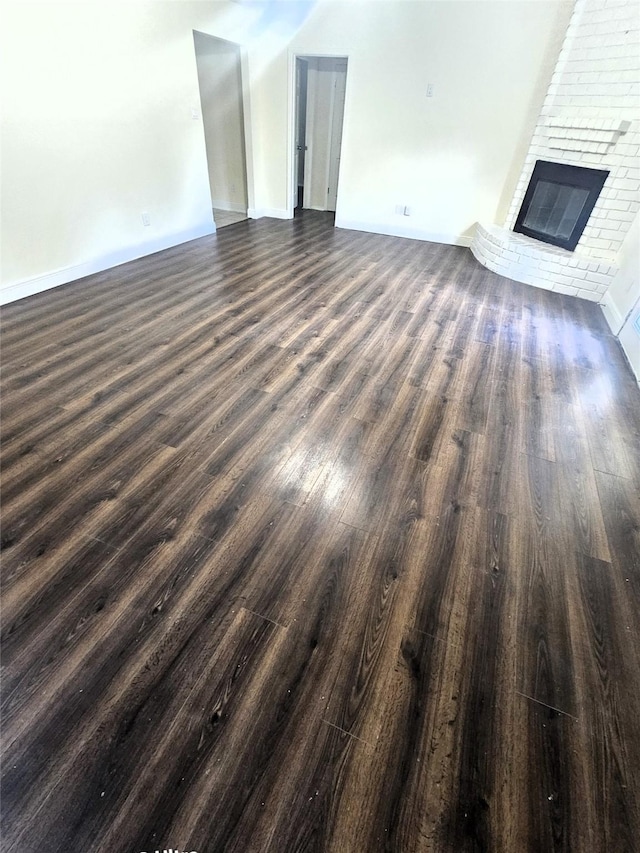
pixel 558 203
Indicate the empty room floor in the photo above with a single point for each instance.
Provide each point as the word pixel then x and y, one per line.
pixel 317 540
pixel 222 218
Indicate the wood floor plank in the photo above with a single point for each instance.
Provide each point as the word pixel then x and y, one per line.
pixel 315 539
pixel 606 662
pixel 620 502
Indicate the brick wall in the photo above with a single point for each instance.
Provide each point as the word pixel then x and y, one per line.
pixel 519 257
pixel 590 117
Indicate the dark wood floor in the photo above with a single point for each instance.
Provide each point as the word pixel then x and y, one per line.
pixel 318 541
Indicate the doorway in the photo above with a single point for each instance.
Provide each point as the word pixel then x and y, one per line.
pixel 221 101
pixel 320 88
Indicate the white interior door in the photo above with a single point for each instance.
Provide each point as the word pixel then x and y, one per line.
pixel 335 142
pixel 326 86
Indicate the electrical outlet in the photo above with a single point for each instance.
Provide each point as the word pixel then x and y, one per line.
pixel 400 209
pixel 429 90
pixel 406 210
pixel 146 219
pixel 195 113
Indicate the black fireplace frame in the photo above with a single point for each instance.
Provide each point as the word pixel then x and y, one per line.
pixel 573 176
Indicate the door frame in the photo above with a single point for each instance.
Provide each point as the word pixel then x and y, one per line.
pixel 296 107
pixel 292 179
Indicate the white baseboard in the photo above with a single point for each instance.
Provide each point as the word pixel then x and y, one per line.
pixel 233 206
pixel 271 212
pixel 611 314
pixel 12 292
pixel 400 230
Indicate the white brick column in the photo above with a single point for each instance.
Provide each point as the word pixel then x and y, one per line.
pixel 590 118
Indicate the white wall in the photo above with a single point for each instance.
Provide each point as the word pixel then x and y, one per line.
pixel 97 124
pixel 449 157
pixel 622 303
pixel 625 287
pixel 630 338
pixel 220 85
pixel 97 128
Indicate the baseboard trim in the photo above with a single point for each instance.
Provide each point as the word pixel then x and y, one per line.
pixel 613 317
pixel 38 284
pixel 232 206
pixel 402 231
pixel 270 212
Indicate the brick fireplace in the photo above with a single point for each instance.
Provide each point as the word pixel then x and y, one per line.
pixel 591 119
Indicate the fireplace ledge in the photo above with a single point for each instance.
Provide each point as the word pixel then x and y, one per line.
pixel 588 136
pixel 529 261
